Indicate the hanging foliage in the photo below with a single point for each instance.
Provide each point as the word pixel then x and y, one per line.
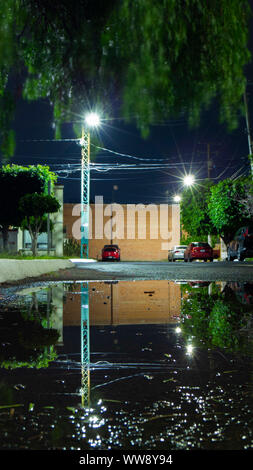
pixel 150 59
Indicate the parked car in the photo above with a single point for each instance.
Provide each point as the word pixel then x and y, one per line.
pixel 241 246
pixel 111 252
pixel 198 250
pixel 176 253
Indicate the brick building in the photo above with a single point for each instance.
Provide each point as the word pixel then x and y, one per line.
pixel 142 232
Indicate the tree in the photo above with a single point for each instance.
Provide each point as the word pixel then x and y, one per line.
pixel 33 208
pixel 176 56
pixel 246 201
pixel 15 182
pixel 194 211
pixel 53 51
pixel 226 213
pixel 157 58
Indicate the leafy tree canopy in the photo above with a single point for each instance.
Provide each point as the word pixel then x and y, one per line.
pixel 55 51
pixel 180 54
pixel 15 182
pixel 33 208
pixel 38 176
pixel 194 210
pixel 161 57
pixel 226 211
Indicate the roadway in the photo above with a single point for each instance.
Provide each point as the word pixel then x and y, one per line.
pixel 179 271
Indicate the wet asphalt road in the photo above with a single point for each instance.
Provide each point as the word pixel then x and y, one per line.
pixel 134 271
pixel 216 271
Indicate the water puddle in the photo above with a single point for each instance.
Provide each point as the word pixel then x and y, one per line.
pixel 127 365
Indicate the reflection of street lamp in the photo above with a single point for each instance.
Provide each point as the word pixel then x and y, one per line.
pixel 189 350
pixel 91 120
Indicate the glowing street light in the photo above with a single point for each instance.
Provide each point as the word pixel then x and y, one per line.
pixel 177 198
pixel 189 180
pixel 91 120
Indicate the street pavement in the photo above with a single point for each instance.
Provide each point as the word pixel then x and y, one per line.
pixel 216 271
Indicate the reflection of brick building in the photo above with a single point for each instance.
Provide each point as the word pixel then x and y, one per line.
pixel 142 232
pixel 125 302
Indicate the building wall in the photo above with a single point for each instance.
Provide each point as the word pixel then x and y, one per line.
pixel 142 232
pixel 12 241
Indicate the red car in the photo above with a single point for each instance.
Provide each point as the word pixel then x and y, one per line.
pixel 111 252
pixel 198 250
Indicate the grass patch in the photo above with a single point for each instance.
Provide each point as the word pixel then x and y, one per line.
pixel 23 256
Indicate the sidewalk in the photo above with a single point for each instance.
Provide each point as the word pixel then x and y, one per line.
pixel 15 270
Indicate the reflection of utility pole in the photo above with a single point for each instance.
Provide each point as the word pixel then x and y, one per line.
pixel 111 303
pixel 85 344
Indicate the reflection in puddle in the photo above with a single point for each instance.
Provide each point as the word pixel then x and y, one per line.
pixel 128 365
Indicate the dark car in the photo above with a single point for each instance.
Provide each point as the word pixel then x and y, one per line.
pixel 111 252
pixel 241 246
pixel 198 250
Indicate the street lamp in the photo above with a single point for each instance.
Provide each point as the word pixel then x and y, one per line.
pixel 91 120
pixel 189 180
pixel 177 198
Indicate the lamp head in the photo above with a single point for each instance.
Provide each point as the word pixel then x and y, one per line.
pixel 189 180
pixel 92 120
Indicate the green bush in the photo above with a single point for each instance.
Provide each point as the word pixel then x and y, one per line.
pixel 71 247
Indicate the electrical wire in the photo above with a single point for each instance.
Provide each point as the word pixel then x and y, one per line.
pixel 60 168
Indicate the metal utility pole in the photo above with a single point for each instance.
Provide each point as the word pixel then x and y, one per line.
pixel 248 129
pixel 115 188
pixel 91 120
pixel 209 162
pixel 85 193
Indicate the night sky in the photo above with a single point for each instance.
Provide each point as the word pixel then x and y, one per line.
pixel 173 146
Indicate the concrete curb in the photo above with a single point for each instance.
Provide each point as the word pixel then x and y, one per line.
pixel 16 270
